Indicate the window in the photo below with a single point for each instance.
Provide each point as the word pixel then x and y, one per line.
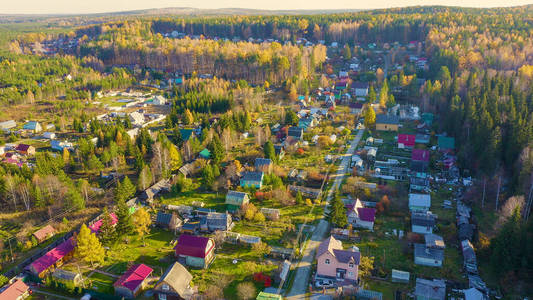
pixel 350 274
pixel 350 265
pixel 327 261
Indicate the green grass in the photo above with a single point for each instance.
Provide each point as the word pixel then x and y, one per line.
pixel 210 199
pixel 386 288
pixel 102 283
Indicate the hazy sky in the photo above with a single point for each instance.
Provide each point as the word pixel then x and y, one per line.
pixel 94 6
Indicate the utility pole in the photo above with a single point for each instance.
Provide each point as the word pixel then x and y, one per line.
pixel 529 200
pixel 484 186
pixel 498 193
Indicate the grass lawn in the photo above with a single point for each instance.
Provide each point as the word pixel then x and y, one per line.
pixel 387 288
pixel 223 272
pixel 157 253
pixel 102 283
pixel 211 200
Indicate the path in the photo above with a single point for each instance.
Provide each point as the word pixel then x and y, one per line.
pixel 49 295
pixel 303 269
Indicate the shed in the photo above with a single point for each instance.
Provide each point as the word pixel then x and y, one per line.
pixel 67 276
pixel 133 281
pixel 400 276
pixel 419 202
pixel 205 154
pixel 44 233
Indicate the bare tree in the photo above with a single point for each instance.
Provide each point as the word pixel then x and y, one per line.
pixel 11 189
pixel 25 195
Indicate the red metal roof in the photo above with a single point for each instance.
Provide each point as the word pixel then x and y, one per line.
pixel 51 257
pixel 134 277
pixel 366 214
pixel 14 291
pixel 22 147
pixel 420 155
pixel 191 245
pixel 95 227
pixel 406 139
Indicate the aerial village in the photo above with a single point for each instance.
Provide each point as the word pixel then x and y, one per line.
pixel 334 193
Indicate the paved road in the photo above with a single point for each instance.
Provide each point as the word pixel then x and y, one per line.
pixel 303 270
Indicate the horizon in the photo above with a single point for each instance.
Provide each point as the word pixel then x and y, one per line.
pixel 66 7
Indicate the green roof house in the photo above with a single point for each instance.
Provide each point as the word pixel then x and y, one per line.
pixel 206 154
pixel 186 134
pixel 446 143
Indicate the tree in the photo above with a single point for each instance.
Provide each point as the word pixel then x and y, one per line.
pixel 293 93
pixel 291 118
pixel 88 247
pixel 259 217
pixel 145 178
pixel 107 233
pixel 124 224
pixel 188 118
pixel 337 214
pixel 347 53
pixel 246 291
pixel 366 266
pixel 299 199
pixel 261 249
pixel 208 176
pixel 216 149
pixel 125 190
pixel 384 94
pixel 324 141
pixel 270 152
pixel 370 116
pixel 142 222
pixel 175 157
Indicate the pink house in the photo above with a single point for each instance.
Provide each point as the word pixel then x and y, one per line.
pixel 360 216
pixel 406 140
pixel 420 155
pixel 337 263
pixel 95 227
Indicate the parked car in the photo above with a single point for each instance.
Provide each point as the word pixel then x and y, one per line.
pixel 324 283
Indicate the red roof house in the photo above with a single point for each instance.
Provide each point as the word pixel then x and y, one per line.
pixel 406 140
pixel 44 233
pixel 52 258
pixel 17 291
pixel 133 281
pixel 360 216
pixel 420 155
pixel 95 227
pixel 196 251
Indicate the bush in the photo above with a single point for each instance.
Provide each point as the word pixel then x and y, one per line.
pixel 259 217
pixel 246 290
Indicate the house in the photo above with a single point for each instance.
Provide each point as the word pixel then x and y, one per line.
pixel 420 155
pixel 356 108
pixel 49 135
pixel 271 213
pixel 168 221
pixel 336 263
pixel 474 294
pixel 95 226
pixel 419 202
pixel 252 179
pixel 406 141
pixel 205 154
pixel 279 150
pixel 187 133
pixel 67 276
pixel 235 200
pixel 360 89
pixel 60 145
pixel 136 118
pixel 130 284
pixel 296 133
pixel 16 291
pixel 422 223
pixel 268 296
pixel 214 221
pixel 446 143
pixel 263 165
pixel 6 125
pixel 44 233
pixel 469 257
pixel 25 149
pixel 387 122
pixel 430 289
pixel 431 257
pixel 52 259
pixel 32 126
pixel 360 216
pixel 159 100
pixel 341 84
pixel 195 251
pixel 419 184
pixel 434 241
pixel 400 276
pixel 307 122
pixel 422 139
pixel 174 284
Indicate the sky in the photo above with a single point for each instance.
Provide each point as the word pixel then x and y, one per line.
pixel 98 6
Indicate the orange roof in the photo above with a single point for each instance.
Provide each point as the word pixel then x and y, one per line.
pixel 14 291
pixel 43 233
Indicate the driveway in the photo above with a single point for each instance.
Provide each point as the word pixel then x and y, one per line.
pixel 303 271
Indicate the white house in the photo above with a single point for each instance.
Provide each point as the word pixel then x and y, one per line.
pixel 419 202
pixel 159 100
pixel 136 118
pixel 8 124
pixel 360 216
pixel 49 135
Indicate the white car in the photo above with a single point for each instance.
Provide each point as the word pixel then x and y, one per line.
pixel 324 283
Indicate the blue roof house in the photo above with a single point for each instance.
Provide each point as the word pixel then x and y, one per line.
pixel 252 179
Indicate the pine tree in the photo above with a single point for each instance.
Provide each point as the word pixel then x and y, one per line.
pixel 337 214
pixel 217 149
pixel 269 150
pixel 124 224
pixel 299 198
pixel 88 247
pixel 107 233
pixel 124 190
